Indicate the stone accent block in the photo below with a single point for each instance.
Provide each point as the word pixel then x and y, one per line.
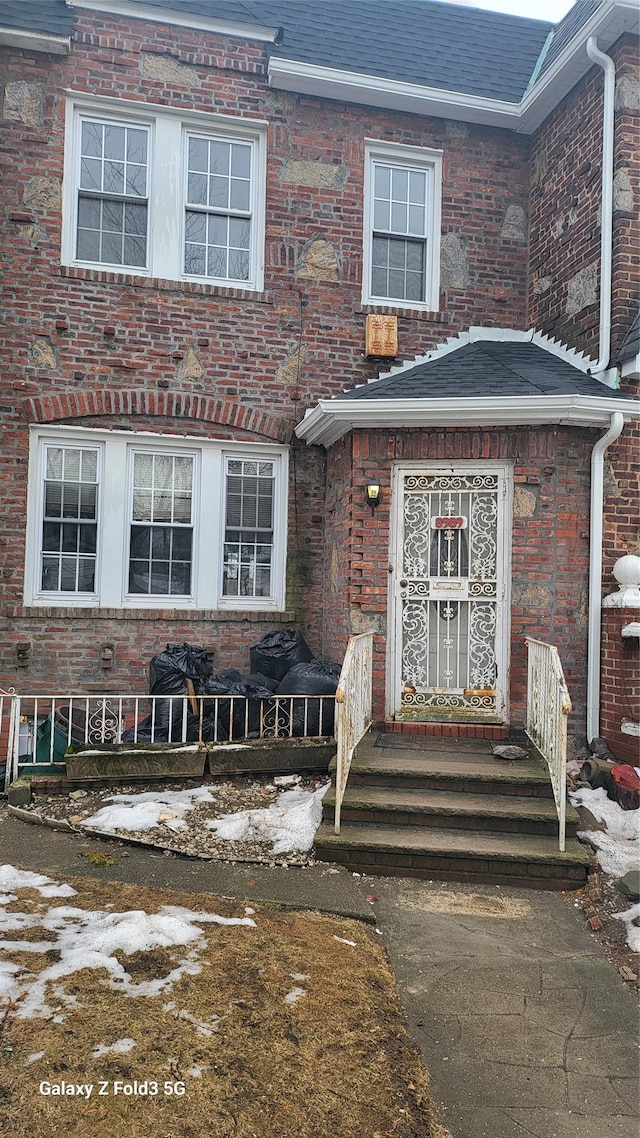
pixel 189 368
pixel 42 353
pixel 454 271
pixel 514 226
pixel 43 192
pixel 23 102
pixel 318 174
pixel 319 261
pixel 291 370
pixel 582 290
pixel 167 69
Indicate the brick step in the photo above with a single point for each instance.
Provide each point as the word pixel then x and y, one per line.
pixel 455 855
pixel 398 806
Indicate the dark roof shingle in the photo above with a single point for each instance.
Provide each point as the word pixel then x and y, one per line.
pixel 425 42
pixel 52 17
pixel 487 368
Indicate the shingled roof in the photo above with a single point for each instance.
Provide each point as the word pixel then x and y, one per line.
pixel 51 17
pixel 487 368
pixel 425 42
pixel 484 377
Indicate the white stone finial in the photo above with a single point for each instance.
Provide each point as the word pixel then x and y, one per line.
pixel 627 573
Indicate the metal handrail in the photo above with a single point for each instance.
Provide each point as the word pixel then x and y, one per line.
pixel 548 708
pixel 353 702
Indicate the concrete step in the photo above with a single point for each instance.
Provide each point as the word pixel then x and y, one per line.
pixel 399 806
pixel 469 772
pixel 454 855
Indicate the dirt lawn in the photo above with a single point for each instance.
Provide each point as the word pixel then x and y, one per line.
pixel 283 1025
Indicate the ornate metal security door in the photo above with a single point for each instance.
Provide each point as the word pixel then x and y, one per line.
pixel 450 586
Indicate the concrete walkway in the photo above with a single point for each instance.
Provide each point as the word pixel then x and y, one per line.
pixel 525 1027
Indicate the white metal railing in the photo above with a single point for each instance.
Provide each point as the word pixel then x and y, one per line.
pixel 548 707
pixel 353 699
pixel 38 728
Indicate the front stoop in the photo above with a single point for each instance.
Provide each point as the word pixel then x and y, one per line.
pixel 448 810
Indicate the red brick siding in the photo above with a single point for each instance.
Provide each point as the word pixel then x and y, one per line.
pixel 118 341
pixel 565 238
pixel 550 550
pixel 620 683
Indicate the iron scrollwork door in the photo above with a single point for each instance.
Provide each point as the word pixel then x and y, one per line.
pixel 449 589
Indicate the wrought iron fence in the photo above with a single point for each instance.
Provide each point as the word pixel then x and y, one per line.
pixel 548 708
pixel 38 729
pixel 353 699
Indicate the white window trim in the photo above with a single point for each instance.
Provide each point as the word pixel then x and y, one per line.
pixel 114 509
pixel 166 184
pixel 422 158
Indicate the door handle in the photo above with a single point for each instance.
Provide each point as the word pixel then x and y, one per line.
pixel 403 584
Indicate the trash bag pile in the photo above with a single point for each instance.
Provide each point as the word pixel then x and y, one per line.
pixel 281 665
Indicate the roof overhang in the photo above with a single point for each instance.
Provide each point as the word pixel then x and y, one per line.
pixel 332 418
pixel 179 18
pixel 35 41
pixel 608 23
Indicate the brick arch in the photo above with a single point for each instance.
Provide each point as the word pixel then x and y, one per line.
pixel 157 404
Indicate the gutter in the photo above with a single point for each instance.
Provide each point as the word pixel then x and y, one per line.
pixel 606 226
pixel 595 574
pixel 330 419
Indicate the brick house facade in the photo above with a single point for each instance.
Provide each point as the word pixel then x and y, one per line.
pixel 215 373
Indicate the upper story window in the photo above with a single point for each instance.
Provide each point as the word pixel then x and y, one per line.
pixel 402 226
pixel 158 193
pixel 117 520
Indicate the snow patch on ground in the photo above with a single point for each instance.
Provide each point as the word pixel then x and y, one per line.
pixel 120 1047
pixel 289 824
pixel 12 878
pixel 630 916
pixel 139 812
pixel 618 847
pixel 90 939
pixel 33 1058
pixel 294 995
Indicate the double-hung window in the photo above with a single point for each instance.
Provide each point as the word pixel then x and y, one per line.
pixel 117 520
pixel 152 191
pixel 402 226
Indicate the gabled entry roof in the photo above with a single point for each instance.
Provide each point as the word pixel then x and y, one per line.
pixel 485 377
pixel 486 367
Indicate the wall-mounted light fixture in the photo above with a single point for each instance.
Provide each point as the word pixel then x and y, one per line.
pixel 373 495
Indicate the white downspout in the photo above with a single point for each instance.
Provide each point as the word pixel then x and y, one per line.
pixel 595 574
pixel 617 419
pixel 606 226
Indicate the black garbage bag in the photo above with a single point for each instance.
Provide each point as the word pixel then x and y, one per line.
pixel 245 714
pixel 158 731
pixel 279 651
pixel 261 681
pixel 311 679
pixel 225 676
pixel 170 670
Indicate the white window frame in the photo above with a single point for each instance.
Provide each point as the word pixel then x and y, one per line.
pixel 114 519
pixel 168 128
pixel 418 158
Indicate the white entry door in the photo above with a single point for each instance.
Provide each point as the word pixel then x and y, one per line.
pixel 449 592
